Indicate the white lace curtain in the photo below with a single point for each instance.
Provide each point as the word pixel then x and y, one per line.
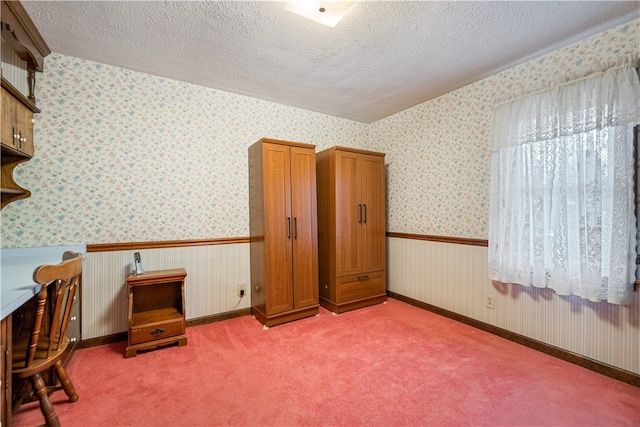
pixel 562 199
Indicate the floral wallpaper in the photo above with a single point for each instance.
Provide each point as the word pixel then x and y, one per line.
pixel 123 156
pixel 438 159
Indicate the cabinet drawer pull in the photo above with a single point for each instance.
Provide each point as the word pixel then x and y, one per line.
pixel 359 214
pixel 363 277
pixel 295 228
pixel 365 213
pixel 72 318
pixel 157 332
pixel 288 227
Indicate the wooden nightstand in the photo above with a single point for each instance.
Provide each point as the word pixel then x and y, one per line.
pixel 156 309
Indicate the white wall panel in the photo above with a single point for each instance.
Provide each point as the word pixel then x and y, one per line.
pixel 454 277
pixel 213 271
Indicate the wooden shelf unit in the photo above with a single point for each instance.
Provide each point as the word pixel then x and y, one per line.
pixel 156 310
pixel 16 130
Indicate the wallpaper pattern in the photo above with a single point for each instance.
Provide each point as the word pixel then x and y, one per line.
pixel 438 158
pixel 124 156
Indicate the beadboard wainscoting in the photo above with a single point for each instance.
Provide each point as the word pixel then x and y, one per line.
pixel 213 272
pixel 14 69
pixel 454 277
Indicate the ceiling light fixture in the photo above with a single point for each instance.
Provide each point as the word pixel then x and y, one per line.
pixel 327 13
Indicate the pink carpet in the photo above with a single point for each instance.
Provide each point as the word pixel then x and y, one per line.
pixel 391 364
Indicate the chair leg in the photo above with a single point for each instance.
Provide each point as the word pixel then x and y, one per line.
pixel 65 381
pixel 50 416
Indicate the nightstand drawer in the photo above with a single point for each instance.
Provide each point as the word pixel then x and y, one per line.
pixel 156 332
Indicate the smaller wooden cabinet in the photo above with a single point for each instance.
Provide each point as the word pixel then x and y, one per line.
pixel 283 226
pixel 156 310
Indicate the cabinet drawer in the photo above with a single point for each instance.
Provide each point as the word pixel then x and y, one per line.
pixel 155 332
pixel 352 288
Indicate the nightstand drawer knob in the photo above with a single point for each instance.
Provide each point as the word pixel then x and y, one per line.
pixel 157 332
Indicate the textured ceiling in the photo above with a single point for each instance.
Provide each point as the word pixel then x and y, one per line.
pixel 383 57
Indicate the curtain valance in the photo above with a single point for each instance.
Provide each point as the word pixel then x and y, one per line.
pixel 604 99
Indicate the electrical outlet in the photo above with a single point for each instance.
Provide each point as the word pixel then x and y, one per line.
pixel 242 289
pixel 490 302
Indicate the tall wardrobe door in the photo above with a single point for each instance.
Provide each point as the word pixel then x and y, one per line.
pixel 277 228
pixel 373 199
pixel 348 213
pixel 305 232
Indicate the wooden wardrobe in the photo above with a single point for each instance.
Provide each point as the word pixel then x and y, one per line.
pixel 351 228
pixel 284 233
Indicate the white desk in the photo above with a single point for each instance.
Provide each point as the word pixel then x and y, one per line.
pixel 17 267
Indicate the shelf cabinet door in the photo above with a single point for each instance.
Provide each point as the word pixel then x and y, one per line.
pixel 360 213
pixel 304 227
pixel 24 120
pixel 373 236
pixel 17 126
pixel 348 213
pixel 277 228
pixel 8 119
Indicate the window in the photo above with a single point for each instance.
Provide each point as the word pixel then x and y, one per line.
pixel 562 188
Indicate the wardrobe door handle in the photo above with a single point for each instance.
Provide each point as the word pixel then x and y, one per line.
pixel 288 227
pixel 295 226
pixel 365 214
pixel 359 214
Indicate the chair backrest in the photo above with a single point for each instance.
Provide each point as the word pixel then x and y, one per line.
pixel 60 281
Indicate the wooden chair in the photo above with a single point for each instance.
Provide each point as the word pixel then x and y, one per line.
pixel 47 342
